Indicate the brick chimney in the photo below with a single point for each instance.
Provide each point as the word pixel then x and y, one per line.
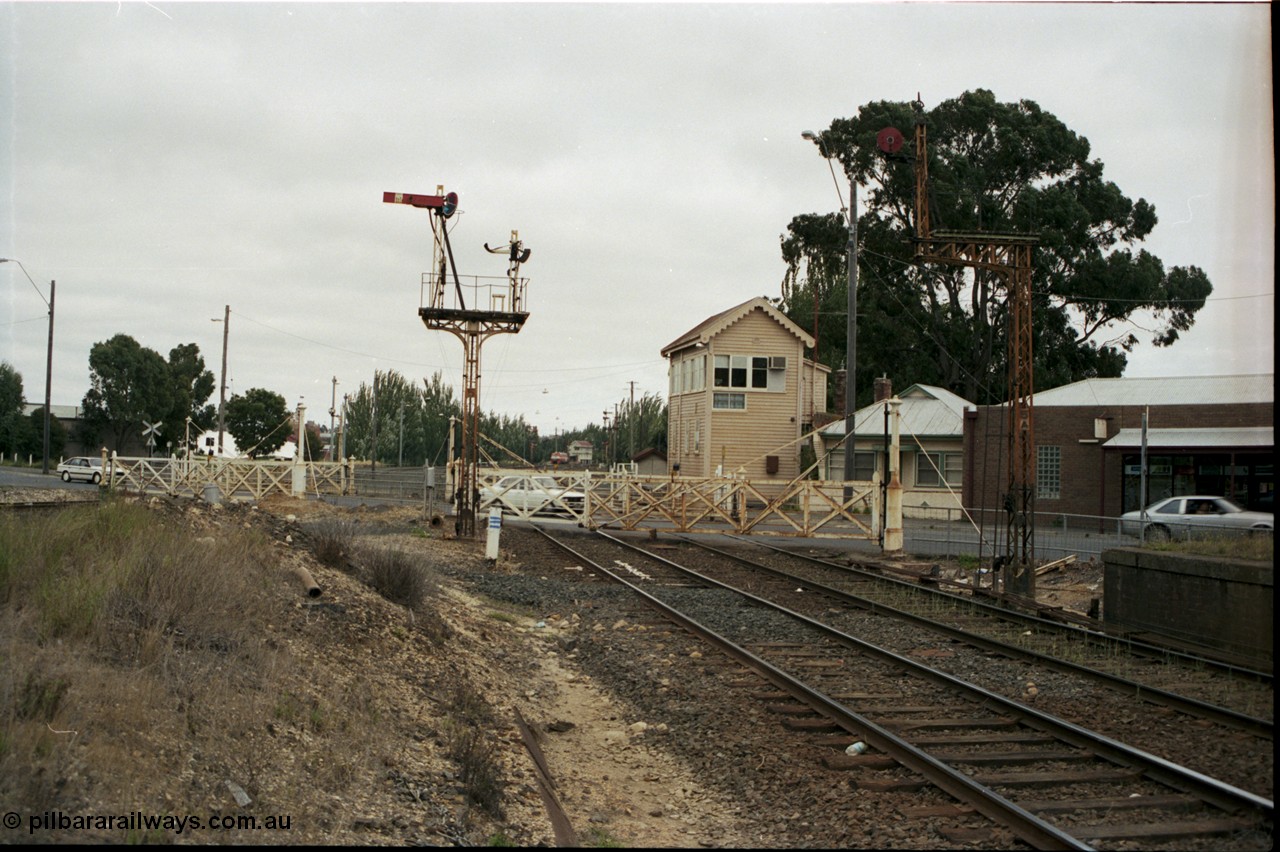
pixel 883 388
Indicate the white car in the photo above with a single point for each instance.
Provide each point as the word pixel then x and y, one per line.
pixel 83 468
pixel 1201 515
pixel 533 494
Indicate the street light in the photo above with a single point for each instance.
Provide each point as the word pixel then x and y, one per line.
pixel 222 392
pixel 851 328
pixel 48 375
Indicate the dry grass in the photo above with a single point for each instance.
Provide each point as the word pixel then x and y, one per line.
pixel 1257 546
pixel 143 663
pixel 127 640
pixel 331 540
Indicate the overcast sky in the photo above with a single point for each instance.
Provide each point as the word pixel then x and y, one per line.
pixel 163 160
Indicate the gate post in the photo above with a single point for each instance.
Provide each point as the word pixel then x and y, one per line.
pixel 299 450
pixel 893 497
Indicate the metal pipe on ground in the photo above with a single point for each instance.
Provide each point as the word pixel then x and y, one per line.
pixel 308 582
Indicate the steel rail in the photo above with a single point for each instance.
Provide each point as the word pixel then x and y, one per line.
pixel 1218 793
pixel 1210 790
pixel 1095 636
pixel 1035 831
pixel 1203 709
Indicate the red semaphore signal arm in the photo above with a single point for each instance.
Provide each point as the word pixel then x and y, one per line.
pixel 446 204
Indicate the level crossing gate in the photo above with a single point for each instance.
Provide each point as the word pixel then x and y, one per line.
pixel 255 477
pixel 682 504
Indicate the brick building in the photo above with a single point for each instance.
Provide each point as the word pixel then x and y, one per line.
pixel 1205 435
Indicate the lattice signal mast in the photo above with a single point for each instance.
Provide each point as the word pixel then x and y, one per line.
pixel 1009 256
pixel 495 306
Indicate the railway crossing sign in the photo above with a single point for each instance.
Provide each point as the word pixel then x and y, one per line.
pixel 149 431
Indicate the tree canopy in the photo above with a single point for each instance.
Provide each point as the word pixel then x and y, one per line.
pixel 999 168
pixel 11 400
pixel 259 420
pixel 130 383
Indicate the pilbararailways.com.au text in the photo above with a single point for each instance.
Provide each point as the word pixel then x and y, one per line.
pixel 137 821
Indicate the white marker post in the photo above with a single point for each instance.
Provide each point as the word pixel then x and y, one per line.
pixel 495 528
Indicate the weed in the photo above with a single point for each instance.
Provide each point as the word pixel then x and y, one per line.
pixel 1259 547
pixel 473 751
pixel 504 617
pixel 968 561
pixel 331 541
pixel 40 697
pixel 394 574
pixel 602 839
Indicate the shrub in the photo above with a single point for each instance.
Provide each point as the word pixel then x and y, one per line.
pixel 394 574
pixel 331 541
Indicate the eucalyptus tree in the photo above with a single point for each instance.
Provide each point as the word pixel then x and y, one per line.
pixel 129 385
pixel 259 420
pixel 993 167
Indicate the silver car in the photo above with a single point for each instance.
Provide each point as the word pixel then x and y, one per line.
pixel 84 469
pixel 534 495
pixel 1192 514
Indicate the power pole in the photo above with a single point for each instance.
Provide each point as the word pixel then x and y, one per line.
pixel 631 424
pixel 48 382
pixel 333 404
pixel 222 393
pixel 373 416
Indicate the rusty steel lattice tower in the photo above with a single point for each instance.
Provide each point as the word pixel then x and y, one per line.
pixel 495 306
pixel 1009 256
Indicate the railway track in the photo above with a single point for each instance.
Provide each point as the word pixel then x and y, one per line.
pixel 1054 783
pixel 1211 689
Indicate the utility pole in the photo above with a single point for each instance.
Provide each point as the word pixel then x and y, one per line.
pixel 222 393
pixel 851 335
pixel 48 382
pixel 851 320
pixel 373 416
pixel 333 404
pixel 631 424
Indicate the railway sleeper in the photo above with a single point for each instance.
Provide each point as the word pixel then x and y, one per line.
pixel 1049 779
pixel 1161 830
pixel 1169 802
pixel 903 725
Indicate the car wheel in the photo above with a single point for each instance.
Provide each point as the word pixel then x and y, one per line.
pixel 96 478
pixel 1158 533
pixel 66 476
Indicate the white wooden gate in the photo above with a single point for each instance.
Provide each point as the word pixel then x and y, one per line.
pixel 252 477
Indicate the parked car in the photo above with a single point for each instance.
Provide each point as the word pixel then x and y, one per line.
pixel 1194 515
pixel 83 468
pixel 533 494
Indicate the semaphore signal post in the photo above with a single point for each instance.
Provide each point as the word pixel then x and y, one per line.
pixel 476 308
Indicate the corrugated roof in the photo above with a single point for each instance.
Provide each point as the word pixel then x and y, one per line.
pixel 926 411
pixel 1240 436
pixel 1170 390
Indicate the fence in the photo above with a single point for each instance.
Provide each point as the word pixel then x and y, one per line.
pixel 957 532
pixel 190 477
pixel 402 484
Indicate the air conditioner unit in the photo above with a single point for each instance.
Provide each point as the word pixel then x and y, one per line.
pixel 777 362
